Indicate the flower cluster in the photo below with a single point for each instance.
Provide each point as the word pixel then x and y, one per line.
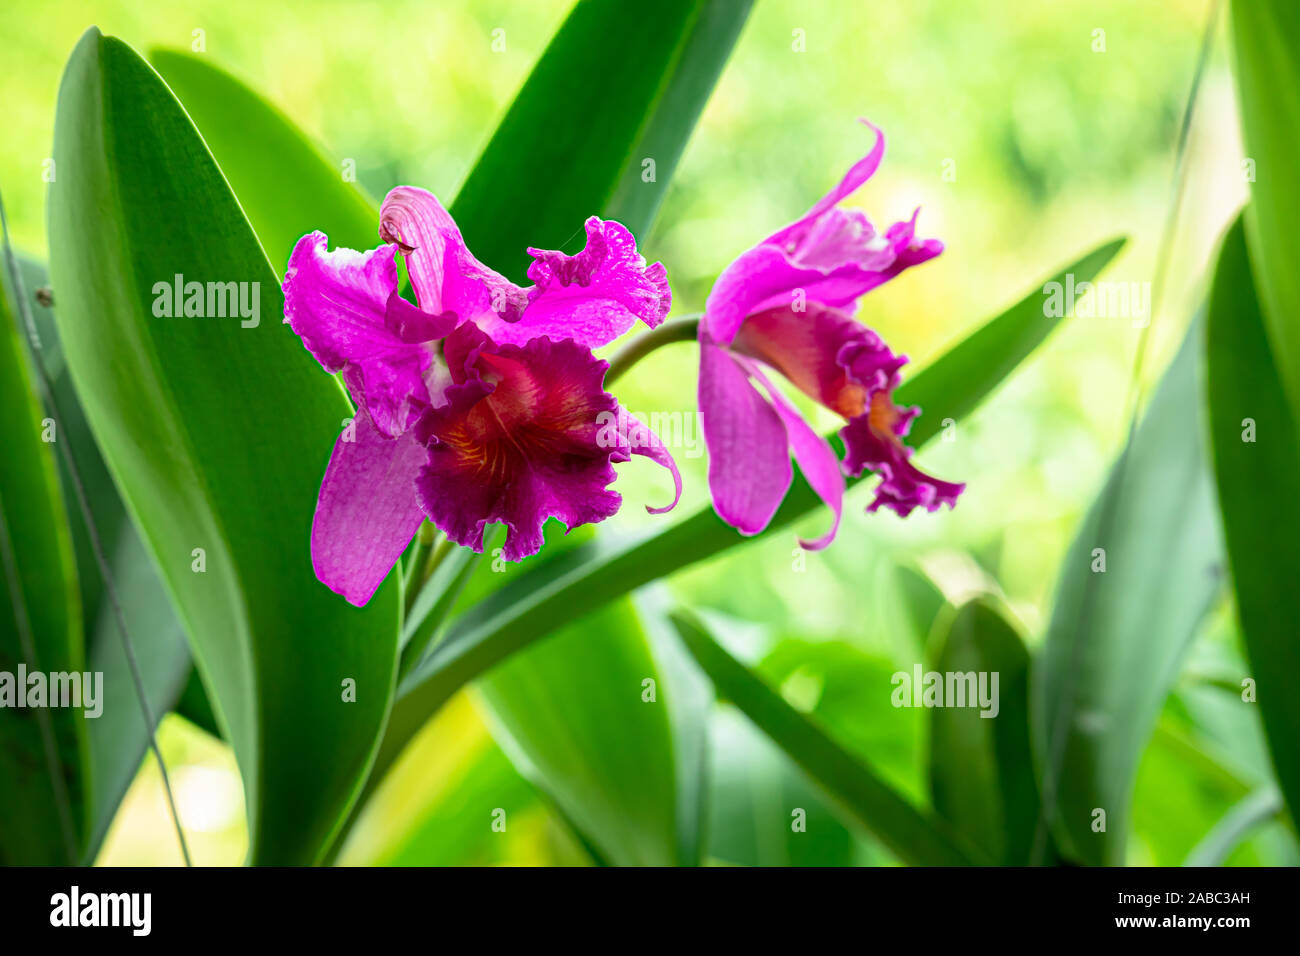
pixel 482 402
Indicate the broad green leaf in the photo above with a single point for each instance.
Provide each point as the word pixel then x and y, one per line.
pixel 562 588
pixel 455 826
pixel 43 750
pixel 585 718
pixel 1266 35
pixel 1137 581
pixel 118 738
pixel 216 434
pixel 981 765
pixel 597 128
pixel 912 836
pixel 1256 464
pixel 285 184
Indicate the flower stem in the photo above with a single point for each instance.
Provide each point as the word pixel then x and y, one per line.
pixel 680 330
pixel 415 568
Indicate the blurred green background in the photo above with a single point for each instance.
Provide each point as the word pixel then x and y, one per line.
pixel 1024 145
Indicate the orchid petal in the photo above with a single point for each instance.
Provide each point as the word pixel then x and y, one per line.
pixel 338 303
pixel 858 174
pixel 413 325
pixel 634 437
pixel 591 298
pixel 444 273
pixel 749 465
pixel 829 256
pixel 875 440
pixel 367 511
pixel 829 356
pixel 815 456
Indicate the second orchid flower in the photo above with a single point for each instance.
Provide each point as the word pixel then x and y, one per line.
pixel 786 306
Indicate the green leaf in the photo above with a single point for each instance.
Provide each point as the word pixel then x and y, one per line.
pixel 118 738
pixel 1118 636
pixel 194 706
pixel 573 716
pixel 1266 34
pixel 689 698
pixel 848 692
pixel 285 184
pixel 908 833
pixel 217 435
pixel 1256 461
pixel 455 823
pixel 616 87
pixel 434 603
pixel 1251 812
pixel 921 602
pixel 1182 791
pixel 757 795
pixel 562 588
pixel 43 758
pixel 981 765
pixel 455 800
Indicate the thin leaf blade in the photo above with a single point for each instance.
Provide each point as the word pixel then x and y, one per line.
pixel 912 836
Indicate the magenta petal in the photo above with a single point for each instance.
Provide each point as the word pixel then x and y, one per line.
pixel 825 353
pixel 517 442
pixel 367 511
pixel 858 174
pixel 634 437
pixel 592 297
pixel 413 325
pixel 335 301
pixel 829 256
pixel 815 456
pixel 749 465
pixel 445 275
pixel 338 303
pixel 761 274
pixel 874 441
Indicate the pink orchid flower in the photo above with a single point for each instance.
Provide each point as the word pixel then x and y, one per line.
pixel 786 306
pixel 482 404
